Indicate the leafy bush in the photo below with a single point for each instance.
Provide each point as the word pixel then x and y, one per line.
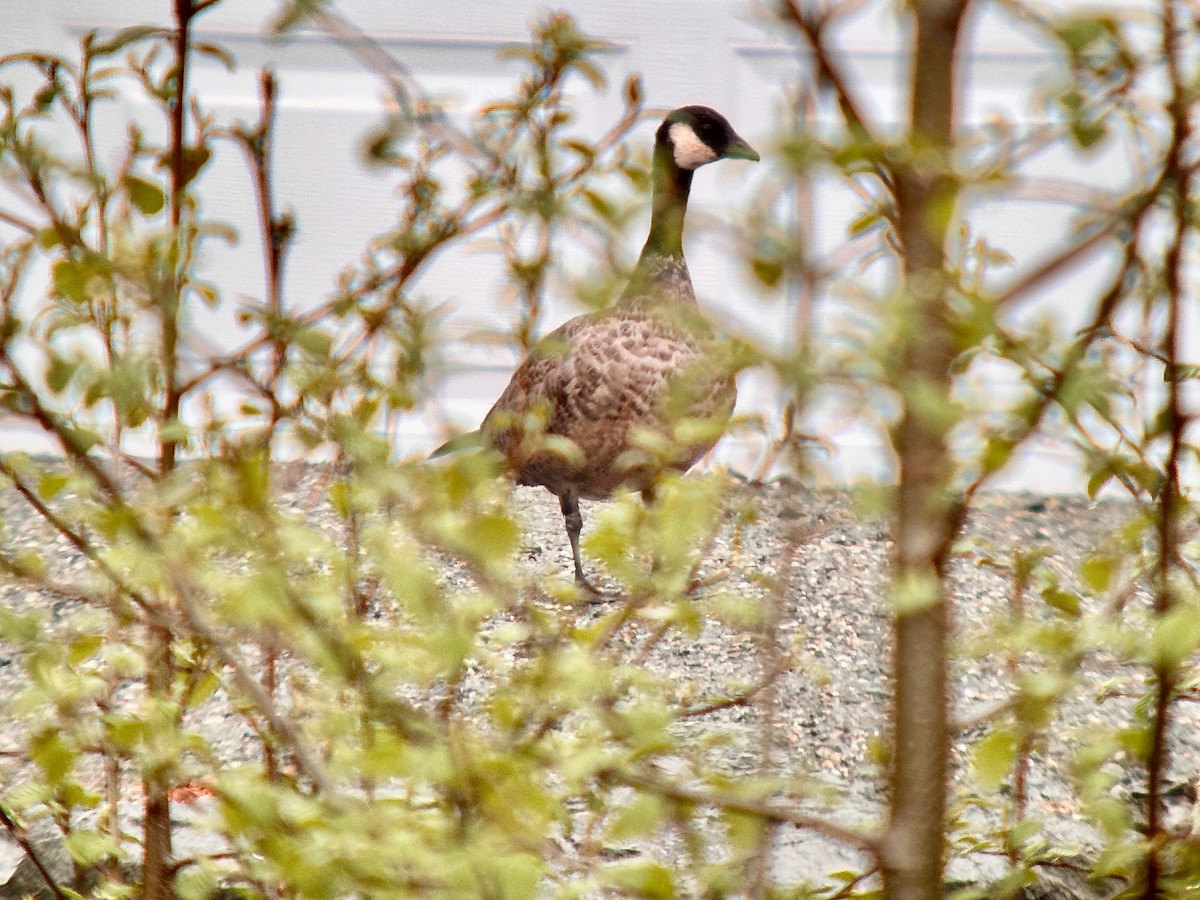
pixel 490 736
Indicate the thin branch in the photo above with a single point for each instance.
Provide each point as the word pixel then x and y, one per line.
pixel 402 271
pixel 812 27
pixel 985 716
pixel 1170 497
pixel 78 541
pixel 414 104
pixel 17 222
pixel 1052 268
pixel 22 838
pixel 745 698
pixel 762 809
pixel 848 889
pixel 283 726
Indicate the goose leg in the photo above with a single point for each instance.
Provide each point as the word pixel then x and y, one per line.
pixel 648 498
pixel 569 504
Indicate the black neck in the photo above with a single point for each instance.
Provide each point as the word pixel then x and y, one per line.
pixel 670 187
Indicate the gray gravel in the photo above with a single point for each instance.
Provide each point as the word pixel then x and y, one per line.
pixel 826 710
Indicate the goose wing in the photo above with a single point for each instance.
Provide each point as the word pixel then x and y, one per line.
pixel 594 381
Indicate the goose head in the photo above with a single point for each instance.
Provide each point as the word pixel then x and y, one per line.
pixel 699 135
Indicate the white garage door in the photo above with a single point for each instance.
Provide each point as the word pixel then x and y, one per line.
pixel 689 51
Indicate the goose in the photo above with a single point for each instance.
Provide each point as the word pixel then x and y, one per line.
pixel 577 413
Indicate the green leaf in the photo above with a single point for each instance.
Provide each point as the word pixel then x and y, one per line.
pixel 643 878
pixel 1176 635
pixel 1097 481
pixel 600 205
pixel 1136 740
pixel 60 373
pixel 743 830
pixel 126 37
pixel 21 629
pixel 1087 133
pixel 52 755
pixel 913 592
pixel 204 688
pixel 87 848
pixel 214 51
pixel 1026 562
pixel 1080 32
pixel 517 874
pixel 339 498
pixel 85 647
pixel 209 295
pixel 20 798
pixel 124 732
pixel 1097 573
pixel 1122 860
pixel 174 430
pixel 193 160
pixel 72 278
pixel 31 563
pixel 1066 602
pixel 49 238
pixel 768 271
pixel 1181 372
pixel 996 454
pixel 148 197
pixel 196 882
pixel 637 819
pixel 51 483
pixel 994 757
pixel 865 223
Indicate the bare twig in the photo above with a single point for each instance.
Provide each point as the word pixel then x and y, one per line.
pixel 19 835
pixel 812 26
pixel 1169 500
pixel 769 812
pixel 746 697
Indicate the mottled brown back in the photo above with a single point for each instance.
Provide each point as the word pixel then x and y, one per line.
pixel 647 363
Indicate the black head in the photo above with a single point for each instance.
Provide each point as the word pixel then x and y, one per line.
pixel 698 135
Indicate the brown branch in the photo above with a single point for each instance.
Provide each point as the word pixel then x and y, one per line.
pixel 927 517
pixel 22 838
pixel 1075 355
pixel 17 222
pixel 773 660
pixel 990 714
pixel 1052 268
pixel 276 237
pixel 170 299
pixel 1170 499
pixel 414 104
pixel 762 809
pixel 79 542
pixel 746 697
pixel 305 760
pixel 402 271
pixel 812 27
pixel 848 889
pixel 276 230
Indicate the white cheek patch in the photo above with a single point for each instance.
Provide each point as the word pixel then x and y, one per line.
pixel 690 151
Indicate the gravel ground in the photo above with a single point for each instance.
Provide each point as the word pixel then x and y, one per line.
pixel 827 707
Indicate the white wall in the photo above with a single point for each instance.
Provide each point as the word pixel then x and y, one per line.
pixel 710 51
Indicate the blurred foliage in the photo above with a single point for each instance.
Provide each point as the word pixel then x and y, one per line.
pixel 490 735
